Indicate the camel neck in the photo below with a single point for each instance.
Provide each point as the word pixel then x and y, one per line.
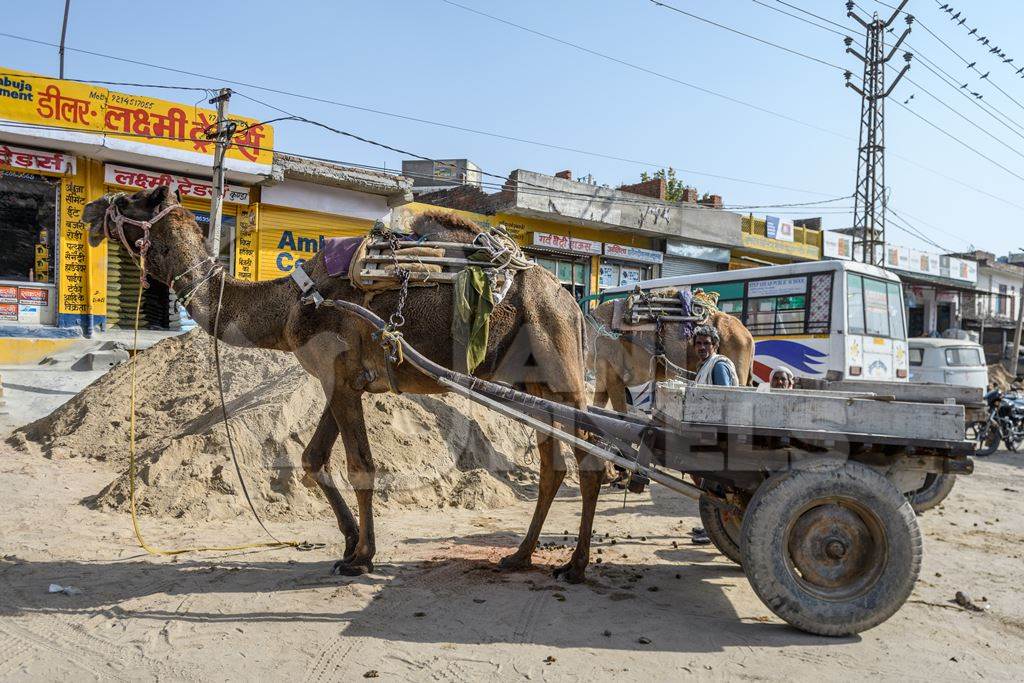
pixel 252 314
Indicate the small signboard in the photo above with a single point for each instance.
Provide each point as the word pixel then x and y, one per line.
pixel 543 239
pixel 38 296
pixel 8 312
pixel 778 287
pixel 628 253
pixel 8 294
pixel 778 228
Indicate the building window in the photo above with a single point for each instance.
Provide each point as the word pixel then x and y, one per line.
pixel 573 275
pixel 28 219
pixel 1002 304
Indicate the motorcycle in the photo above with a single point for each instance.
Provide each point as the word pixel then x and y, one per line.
pixel 1005 423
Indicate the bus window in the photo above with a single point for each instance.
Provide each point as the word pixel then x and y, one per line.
pixel 791 314
pixel 819 319
pixel 896 326
pixel 761 316
pixel 726 291
pixel 732 307
pixel 776 315
pixel 876 308
pixel 855 303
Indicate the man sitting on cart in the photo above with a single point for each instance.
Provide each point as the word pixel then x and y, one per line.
pixel 715 368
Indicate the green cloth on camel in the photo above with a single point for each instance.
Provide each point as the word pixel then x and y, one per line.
pixel 472 304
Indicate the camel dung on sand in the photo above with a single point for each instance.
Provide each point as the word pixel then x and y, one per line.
pixel 535 342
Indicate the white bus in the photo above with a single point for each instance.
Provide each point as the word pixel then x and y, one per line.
pixel 821 319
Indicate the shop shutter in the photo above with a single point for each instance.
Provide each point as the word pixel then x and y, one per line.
pixel 674 266
pixel 305 225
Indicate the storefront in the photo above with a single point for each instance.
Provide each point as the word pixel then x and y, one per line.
pixel 772 241
pixel 29 196
pixel 159 305
pixel 683 258
pixel 569 258
pixel 294 218
pixel 85 140
pixel 624 265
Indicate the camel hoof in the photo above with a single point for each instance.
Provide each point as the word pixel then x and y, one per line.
pixel 349 568
pixel 570 573
pixel 515 563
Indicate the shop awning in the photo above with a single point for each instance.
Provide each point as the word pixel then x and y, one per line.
pixel 936 281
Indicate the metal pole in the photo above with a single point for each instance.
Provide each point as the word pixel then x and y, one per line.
pixel 223 140
pixel 63 34
pixel 1020 324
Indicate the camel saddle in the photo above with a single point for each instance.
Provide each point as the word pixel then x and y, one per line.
pixel 642 311
pixel 371 262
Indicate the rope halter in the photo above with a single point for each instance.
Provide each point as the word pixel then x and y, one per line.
pixel 114 217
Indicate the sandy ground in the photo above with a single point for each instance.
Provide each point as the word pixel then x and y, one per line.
pixel 436 608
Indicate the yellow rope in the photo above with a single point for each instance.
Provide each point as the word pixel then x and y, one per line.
pixel 131 467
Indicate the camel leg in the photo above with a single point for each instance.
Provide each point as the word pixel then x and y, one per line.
pixel 348 412
pixel 591 471
pixel 552 472
pixel 315 459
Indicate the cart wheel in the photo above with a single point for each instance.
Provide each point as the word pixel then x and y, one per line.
pixel 833 548
pixel 936 488
pixel 723 528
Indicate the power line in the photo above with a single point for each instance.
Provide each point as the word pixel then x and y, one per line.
pixel 746 35
pixel 545 190
pixel 547 145
pixel 523 140
pixel 960 142
pixel 908 228
pixel 971 65
pixel 920 87
pixel 939 173
pixel 938 229
pixel 965 118
pixel 645 70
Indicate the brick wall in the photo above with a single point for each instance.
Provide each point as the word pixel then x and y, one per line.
pixel 648 188
pixel 467 198
pixel 712 200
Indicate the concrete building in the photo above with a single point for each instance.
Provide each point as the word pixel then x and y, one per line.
pixel 440 174
pixel 993 308
pixel 934 285
pixel 73 142
pixel 595 237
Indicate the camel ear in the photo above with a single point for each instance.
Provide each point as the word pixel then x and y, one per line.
pixel 93 215
pixel 157 197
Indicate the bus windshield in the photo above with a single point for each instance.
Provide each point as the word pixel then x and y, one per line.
pixel 874 307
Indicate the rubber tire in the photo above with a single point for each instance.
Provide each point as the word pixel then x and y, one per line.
pixel 726 542
pixel 992 445
pixel 936 488
pixel 765 548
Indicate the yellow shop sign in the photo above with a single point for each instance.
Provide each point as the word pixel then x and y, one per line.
pixel 28 98
pixel 281 251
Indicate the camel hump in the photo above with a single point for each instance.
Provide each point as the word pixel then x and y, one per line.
pixel 443 226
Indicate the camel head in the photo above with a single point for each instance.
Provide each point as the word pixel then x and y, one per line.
pixel 174 236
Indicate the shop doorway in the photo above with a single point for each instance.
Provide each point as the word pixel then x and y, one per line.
pixel 28 218
pixel 943 317
pixel 915 321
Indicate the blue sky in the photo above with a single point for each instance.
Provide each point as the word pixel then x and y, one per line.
pixel 428 59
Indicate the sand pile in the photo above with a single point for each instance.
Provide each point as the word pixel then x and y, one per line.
pixel 431 451
pixel 999 376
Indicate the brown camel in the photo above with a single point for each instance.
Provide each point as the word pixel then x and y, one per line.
pixel 535 342
pixel 621 361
